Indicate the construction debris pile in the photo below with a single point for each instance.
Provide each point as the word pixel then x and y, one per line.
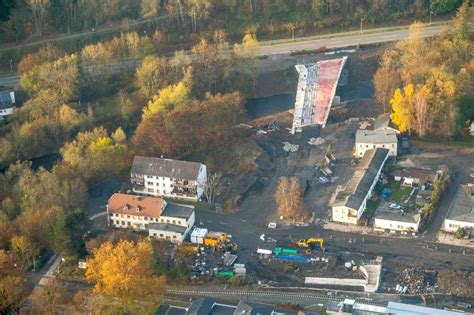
pixel 316 141
pixel 416 280
pixel 288 147
pixel 364 125
pixel 265 127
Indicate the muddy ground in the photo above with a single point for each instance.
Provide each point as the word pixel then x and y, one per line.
pixel 255 207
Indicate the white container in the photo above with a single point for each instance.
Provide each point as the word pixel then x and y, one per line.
pixel 198 235
pixel 272 225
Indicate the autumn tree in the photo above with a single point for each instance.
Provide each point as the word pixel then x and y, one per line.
pixel 61 75
pixel 289 199
pixel 12 283
pixel 94 154
pixel 196 127
pixel 386 81
pixel 124 270
pixel 68 232
pixel 152 75
pixel 47 53
pixel 149 8
pixel 25 251
pixel 167 99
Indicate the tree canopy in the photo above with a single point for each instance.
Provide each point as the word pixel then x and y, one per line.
pixel 124 270
pixel 428 80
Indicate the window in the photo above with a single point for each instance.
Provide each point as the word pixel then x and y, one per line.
pixel 154 234
pixel 174 236
pixel 151 190
pixel 366 145
pixel 158 191
pixel 167 221
pixel 129 224
pixel 128 217
pixel 162 220
pixel 174 221
pixel 161 235
pixel 149 183
pixel 163 184
pixel 123 222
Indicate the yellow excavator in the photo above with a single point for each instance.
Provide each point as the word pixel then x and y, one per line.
pixel 311 243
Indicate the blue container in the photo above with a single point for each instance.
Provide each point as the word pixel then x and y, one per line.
pixel 293 257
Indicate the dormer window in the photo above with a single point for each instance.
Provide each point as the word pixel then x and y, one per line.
pixel 139 208
pixel 126 207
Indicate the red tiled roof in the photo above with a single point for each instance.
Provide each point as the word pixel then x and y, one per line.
pixel 127 204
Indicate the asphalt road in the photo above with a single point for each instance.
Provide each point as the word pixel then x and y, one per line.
pixel 338 40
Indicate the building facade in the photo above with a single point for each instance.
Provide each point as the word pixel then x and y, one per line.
pixel 159 218
pixel 461 210
pixel 373 139
pixel 168 178
pixel 7 101
pixel 351 203
pixel 393 222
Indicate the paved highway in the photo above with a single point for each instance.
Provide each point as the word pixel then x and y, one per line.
pixel 344 40
pixel 339 40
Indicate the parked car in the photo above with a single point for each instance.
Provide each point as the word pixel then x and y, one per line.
pixel 395 206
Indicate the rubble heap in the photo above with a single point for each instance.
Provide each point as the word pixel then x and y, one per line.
pixel 418 280
pixel 316 141
pixel 288 147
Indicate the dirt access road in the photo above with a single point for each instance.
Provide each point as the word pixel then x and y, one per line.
pixel 250 220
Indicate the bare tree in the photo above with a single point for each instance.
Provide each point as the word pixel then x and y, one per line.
pixel 39 9
pixel 213 186
pixel 289 199
pixel 52 296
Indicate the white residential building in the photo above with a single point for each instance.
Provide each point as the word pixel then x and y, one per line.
pixel 396 221
pixel 461 210
pixel 372 139
pixel 7 99
pixel 161 219
pixel 168 178
pixel 351 203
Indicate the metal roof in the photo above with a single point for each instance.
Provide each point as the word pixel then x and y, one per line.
pixel 365 174
pixel 376 136
pixel 401 308
pixel 177 211
pixel 166 227
pixel 462 206
pixel 6 99
pixel 398 217
pixel 153 166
